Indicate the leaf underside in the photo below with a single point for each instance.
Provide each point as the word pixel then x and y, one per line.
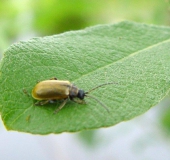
pixel 134 56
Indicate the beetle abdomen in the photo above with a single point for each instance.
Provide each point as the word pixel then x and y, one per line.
pixel 51 89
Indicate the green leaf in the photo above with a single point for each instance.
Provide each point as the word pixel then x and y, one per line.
pixel 134 56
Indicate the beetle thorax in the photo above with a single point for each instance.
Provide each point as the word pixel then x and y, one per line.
pixel 73 92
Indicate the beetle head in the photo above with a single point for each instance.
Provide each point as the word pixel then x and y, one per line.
pixel 81 94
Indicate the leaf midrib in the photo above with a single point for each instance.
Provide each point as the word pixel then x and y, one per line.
pixel 124 58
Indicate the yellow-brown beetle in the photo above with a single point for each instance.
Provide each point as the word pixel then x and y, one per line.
pixel 50 90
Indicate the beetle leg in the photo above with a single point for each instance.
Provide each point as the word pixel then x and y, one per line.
pixel 26 92
pixel 53 78
pixel 41 103
pixel 61 106
pixel 78 101
pixel 52 101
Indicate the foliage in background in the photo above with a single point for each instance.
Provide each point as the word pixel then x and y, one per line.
pixel 58 16
pixel 22 19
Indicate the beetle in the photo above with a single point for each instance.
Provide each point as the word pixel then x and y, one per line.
pixel 48 91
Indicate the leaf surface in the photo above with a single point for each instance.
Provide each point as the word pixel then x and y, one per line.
pixel 134 56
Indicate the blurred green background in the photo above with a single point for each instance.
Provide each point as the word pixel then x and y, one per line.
pixel 24 19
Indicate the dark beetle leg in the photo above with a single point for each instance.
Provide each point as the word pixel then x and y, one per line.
pixel 41 103
pixel 26 92
pixel 54 78
pixel 51 101
pixel 78 101
pixel 61 106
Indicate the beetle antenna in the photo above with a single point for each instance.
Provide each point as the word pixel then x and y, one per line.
pixel 102 104
pixel 100 86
